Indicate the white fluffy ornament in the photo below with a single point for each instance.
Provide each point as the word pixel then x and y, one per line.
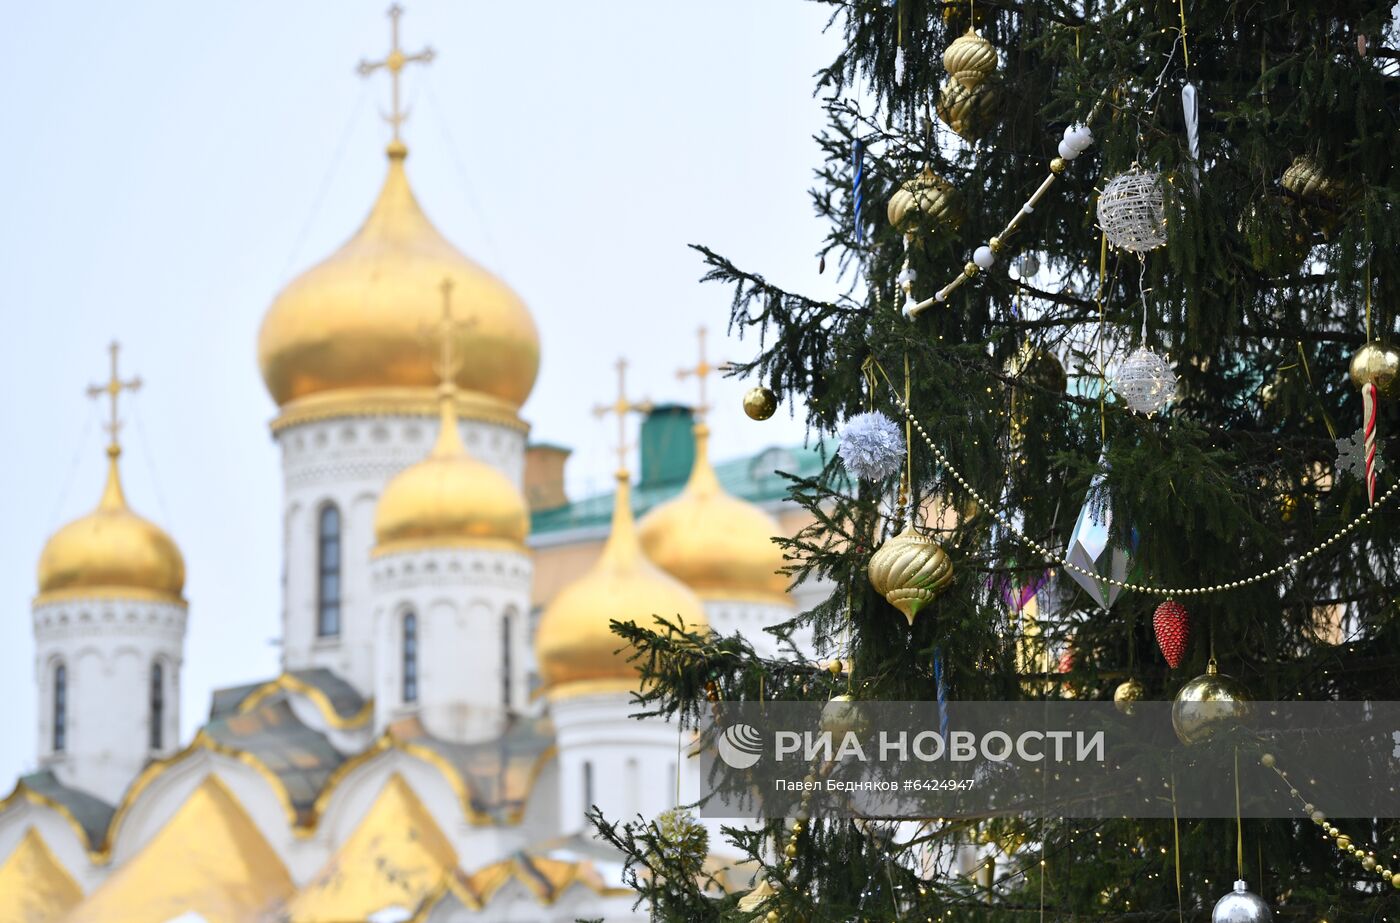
pixel 871 446
pixel 1145 381
pixel 1133 212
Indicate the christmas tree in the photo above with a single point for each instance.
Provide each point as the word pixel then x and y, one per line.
pixel 1132 256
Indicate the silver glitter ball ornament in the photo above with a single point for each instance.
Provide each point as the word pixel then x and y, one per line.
pixel 1145 381
pixel 1132 211
pixel 1241 906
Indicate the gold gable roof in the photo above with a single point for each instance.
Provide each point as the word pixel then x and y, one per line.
pixel 34 887
pixel 397 857
pixel 209 859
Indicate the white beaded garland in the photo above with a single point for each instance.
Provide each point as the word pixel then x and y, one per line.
pixel 1041 550
pixel 1145 381
pixel 984 257
pixel 1132 211
pixel 1067 150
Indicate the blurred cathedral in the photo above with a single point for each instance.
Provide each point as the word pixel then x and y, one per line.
pixel 451 699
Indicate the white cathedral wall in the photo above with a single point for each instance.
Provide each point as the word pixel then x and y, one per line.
pixel 631 764
pixel 462 599
pixel 347 461
pixel 108 648
pixel 748 618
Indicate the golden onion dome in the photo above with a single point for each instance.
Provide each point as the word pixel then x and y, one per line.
pixel 716 544
pixel 111 553
pixel 348 331
pixel 576 649
pixel 450 499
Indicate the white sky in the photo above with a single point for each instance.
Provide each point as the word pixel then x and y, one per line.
pixel 169 166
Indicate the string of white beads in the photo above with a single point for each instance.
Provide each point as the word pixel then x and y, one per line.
pixel 1059 560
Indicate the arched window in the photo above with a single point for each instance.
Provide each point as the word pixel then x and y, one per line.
pixel 507 667
pixel 60 708
pixel 157 705
pixel 328 569
pixel 410 657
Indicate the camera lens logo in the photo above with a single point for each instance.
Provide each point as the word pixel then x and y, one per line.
pixel 740 746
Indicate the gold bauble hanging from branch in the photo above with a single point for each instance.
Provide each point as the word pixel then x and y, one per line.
pixel 928 200
pixel 970 59
pixel 1210 704
pixel 969 111
pixel 1319 196
pixel 910 570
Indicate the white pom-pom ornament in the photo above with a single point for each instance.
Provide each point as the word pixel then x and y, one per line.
pixel 1145 381
pixel 871 446
pixel 1132 211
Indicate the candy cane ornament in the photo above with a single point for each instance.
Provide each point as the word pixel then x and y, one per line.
pixel 1368 411
pixel 1373 370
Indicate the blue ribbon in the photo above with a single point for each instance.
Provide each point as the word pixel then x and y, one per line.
pixel 942 692
pixel 858 165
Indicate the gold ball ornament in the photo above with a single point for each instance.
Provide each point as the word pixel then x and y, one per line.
pixel 1127 695
pixel 910 570
pixel 760 403
pixel 842 715
pixel 970 59
pixel 969 111
pixel 927 200
pixel 1208 705
pixel 1376 364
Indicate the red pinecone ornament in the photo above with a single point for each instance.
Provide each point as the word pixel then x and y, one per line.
pixel 1172 623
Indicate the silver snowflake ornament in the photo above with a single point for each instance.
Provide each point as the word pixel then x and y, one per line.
pixel 1351 455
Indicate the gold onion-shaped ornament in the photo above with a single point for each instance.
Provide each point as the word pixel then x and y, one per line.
pixel 927 199
pixel 969 111
pixel 1320 197
pixel 970 59
pixel 1306 180
pixel 910 570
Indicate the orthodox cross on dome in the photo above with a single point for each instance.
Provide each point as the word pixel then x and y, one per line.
pixel 113 389
pixel 394 62
pixel 702 371
pixel 622 407
pixel 446 331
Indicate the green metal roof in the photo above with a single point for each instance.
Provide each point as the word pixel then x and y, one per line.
pixel 753 478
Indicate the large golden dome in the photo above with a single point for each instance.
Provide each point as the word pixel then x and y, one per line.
pixel 111 553
pixel 716 544
pixel 349 331
pixel 576 650
pixel 450 499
